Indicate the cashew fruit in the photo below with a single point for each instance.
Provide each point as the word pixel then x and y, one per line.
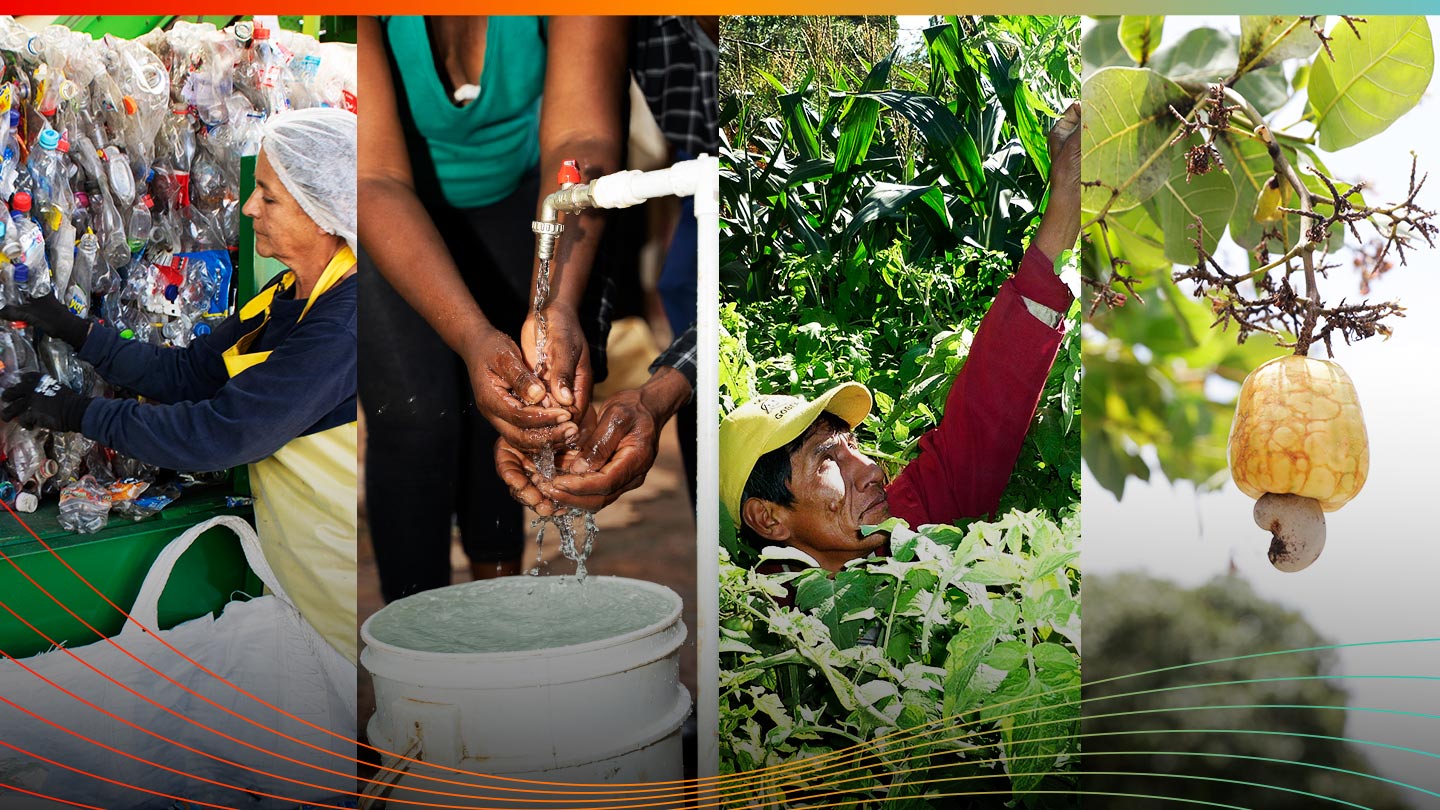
pixel 1298 446
pixel 1298 430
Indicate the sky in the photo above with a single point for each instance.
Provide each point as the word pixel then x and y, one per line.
pixel 1379 576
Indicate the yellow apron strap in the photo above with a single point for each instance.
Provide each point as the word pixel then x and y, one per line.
pixel 334 271
pixel 237 359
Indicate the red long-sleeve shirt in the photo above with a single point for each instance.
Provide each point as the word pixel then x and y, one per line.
pixel 965 462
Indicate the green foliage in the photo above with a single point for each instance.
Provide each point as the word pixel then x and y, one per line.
pixel 963 645
pixel 1372 81
pixel 1161 372
pixel 870 215
pixel 941 159
pixel 1136 624
pixel 868 226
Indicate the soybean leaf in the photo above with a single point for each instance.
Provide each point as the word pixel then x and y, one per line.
pixel 1140 36
pixel 1126 135
pixel 1372 81
pixel 1267 39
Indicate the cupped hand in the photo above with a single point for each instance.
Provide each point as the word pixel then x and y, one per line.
pixel 614 456
pixel 513 398
pixel 565 372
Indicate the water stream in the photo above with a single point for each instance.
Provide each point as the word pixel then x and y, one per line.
pixel 564 520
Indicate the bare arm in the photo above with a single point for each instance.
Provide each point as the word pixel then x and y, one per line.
pixel 408 250
pixel 585 87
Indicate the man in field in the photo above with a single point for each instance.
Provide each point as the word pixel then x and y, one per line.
pixel 792 475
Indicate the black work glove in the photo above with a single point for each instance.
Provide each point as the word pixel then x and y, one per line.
pixel 40 401
pixel 52 317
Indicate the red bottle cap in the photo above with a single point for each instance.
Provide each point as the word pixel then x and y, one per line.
pixel 21 202
pixel 148 200
pixel 569 173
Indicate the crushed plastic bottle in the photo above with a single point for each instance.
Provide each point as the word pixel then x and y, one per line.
pixel 85 506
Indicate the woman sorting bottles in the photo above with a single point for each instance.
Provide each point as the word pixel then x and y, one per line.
pixel 457 152
pixel 272 386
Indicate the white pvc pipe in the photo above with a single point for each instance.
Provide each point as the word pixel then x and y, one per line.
pixel 627 188
pixel 706 190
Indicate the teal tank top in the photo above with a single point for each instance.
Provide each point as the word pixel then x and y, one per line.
pixel 481 150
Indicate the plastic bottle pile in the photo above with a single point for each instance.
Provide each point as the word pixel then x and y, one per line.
pixel 119 195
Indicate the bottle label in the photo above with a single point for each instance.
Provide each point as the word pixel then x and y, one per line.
pixel 75 300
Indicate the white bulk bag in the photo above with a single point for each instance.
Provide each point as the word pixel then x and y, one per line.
pixel 260 645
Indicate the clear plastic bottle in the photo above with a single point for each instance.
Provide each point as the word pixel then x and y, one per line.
pixel 60 362
pixel 62 255
pixel 49 169
pixel 77 295
pixel 140 225
pixel 32 270
pixel 118 172
pixel 84 506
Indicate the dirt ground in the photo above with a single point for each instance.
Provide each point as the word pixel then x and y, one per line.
pixel 649 533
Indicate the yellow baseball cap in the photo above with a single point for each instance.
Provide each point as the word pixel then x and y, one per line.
pixel 771 422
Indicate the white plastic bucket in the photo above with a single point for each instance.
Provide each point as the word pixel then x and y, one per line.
pixel 607 710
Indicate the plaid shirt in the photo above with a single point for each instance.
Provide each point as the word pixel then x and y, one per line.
pixel 680 355
pixel 675 64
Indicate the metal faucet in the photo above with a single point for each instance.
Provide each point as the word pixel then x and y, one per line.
pixel 572 196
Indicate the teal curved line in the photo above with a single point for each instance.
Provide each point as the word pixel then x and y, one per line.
pixel 1248 656
pixel 1305 735
pixel 1347 771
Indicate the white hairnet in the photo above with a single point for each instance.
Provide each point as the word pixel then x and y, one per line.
pixel 313 152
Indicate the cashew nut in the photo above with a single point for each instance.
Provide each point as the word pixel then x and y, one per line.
pixel 1297 529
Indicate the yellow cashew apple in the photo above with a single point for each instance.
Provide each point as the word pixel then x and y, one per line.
pixel 1298 432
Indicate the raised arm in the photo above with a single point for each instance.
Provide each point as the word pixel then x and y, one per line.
pixel 965 462
pixel 398 234
pixel 583 120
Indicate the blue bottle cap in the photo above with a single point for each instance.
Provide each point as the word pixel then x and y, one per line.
pixel 22 273
pixel 49 138
pixel 14 118
pixel 171 292
pixel 202 329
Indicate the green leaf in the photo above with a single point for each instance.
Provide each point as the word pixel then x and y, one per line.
pixel 798 120
pixel 1181 201
pixel 1007 655
pixel 1032 133
pixel 1127 130
pixel 1268 39
pixel 1202 55
pixel 946 139
pixel 1101 48
pixel 1140 36
pixel 1372 81
pixel 1266 89
pixel 860 119
pixel 891 200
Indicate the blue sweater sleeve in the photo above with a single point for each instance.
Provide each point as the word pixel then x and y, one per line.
pixel 307 376
pixel 162 373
